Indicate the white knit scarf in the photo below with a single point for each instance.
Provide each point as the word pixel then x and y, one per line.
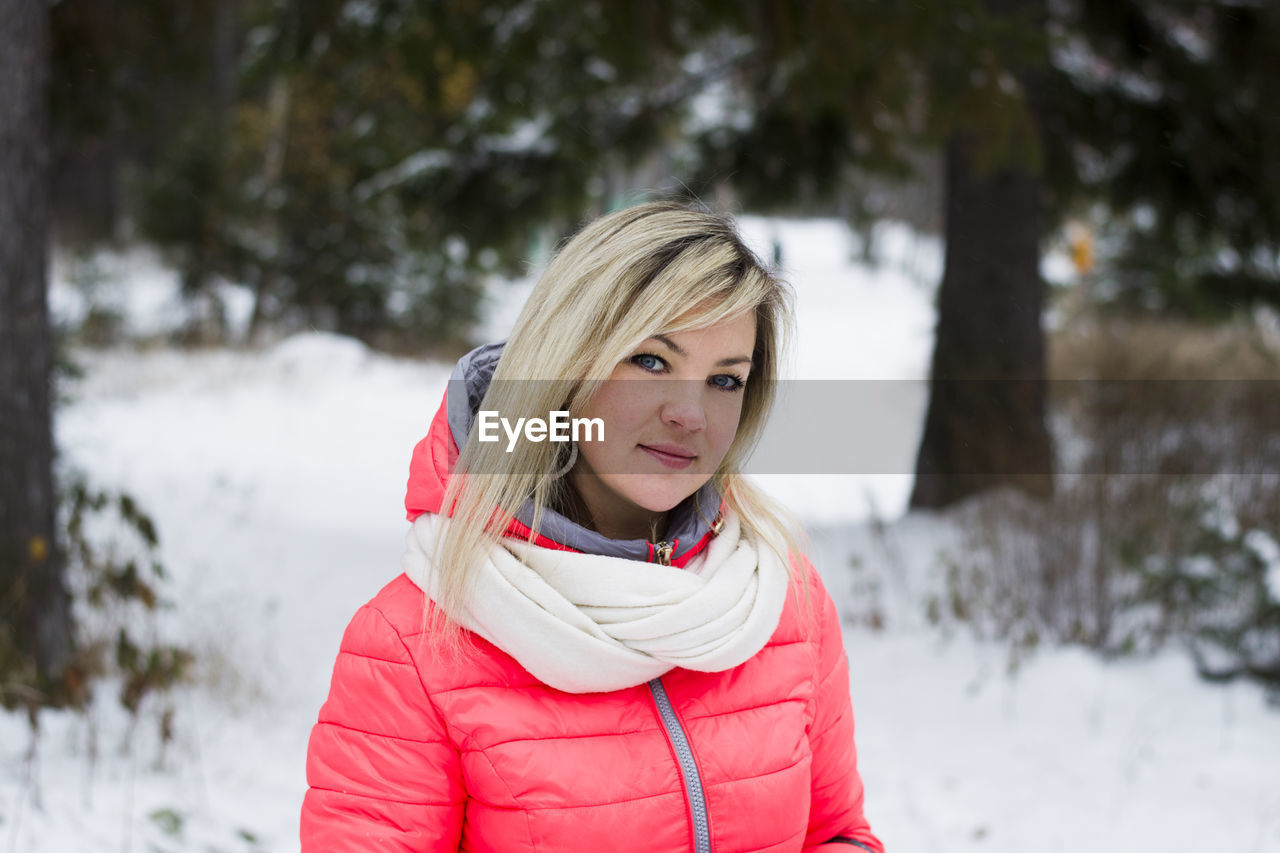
pixel 586 623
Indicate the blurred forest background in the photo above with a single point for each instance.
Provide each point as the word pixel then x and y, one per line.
pixel 365 166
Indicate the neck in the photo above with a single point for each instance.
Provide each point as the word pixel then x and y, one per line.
pixel 615 522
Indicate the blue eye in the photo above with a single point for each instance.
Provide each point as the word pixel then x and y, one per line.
pixel 648 361
pixel 727 382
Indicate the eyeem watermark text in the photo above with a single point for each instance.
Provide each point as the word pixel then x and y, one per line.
pixel 557 427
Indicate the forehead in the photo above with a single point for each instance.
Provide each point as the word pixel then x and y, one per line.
pixel 736 332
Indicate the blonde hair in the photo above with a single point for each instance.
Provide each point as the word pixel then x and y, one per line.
pixel 656 268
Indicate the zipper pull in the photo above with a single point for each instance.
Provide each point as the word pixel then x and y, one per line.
pixel 662 550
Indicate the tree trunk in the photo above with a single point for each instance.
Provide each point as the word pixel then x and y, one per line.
pixel 86 151
pixel 272 180
pixel 985 425
pixel 36 623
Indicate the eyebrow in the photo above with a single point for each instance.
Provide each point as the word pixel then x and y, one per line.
pixel 678 350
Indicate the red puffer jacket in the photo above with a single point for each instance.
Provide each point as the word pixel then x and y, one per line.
pixel 418 752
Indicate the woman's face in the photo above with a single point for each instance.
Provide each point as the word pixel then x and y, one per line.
pixel 663 437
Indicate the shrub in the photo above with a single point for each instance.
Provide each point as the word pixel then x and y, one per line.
pixel 1162 528
pixel 115 580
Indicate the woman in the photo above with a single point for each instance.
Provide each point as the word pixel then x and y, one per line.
pixel 630 658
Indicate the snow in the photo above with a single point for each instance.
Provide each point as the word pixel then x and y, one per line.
pixel 1091 71
pixel 1072 754
pixel 275 478
pixel 416 165
pixel 1268 551
pixel 138 288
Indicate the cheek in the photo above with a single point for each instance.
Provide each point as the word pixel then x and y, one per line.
pixel 722 425
pixel 600 456
pixel 609 454
pixel 624 408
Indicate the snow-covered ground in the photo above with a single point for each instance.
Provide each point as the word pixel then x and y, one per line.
pixel 276 482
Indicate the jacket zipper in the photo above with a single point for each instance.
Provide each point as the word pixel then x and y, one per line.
pixel 661 552
pixel 688 767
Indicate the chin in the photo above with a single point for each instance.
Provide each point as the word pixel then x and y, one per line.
pixel 664 496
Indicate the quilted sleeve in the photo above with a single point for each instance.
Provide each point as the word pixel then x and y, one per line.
pixel 381 771
pixel 836 821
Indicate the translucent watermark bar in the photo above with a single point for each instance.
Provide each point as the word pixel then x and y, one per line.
pixel 874 427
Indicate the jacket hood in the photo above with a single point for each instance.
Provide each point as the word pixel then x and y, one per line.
pixel 436 454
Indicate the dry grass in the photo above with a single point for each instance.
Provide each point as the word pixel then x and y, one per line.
pixel 1120 348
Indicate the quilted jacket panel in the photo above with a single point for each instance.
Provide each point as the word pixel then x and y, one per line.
pixel 415 751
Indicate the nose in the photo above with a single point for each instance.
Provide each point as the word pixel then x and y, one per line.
pixel 684 408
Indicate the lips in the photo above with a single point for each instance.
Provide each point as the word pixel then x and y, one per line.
pixel 670 455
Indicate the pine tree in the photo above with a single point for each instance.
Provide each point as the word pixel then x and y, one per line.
pixel 1163 112
pixel 842 90
pixel 1155 109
